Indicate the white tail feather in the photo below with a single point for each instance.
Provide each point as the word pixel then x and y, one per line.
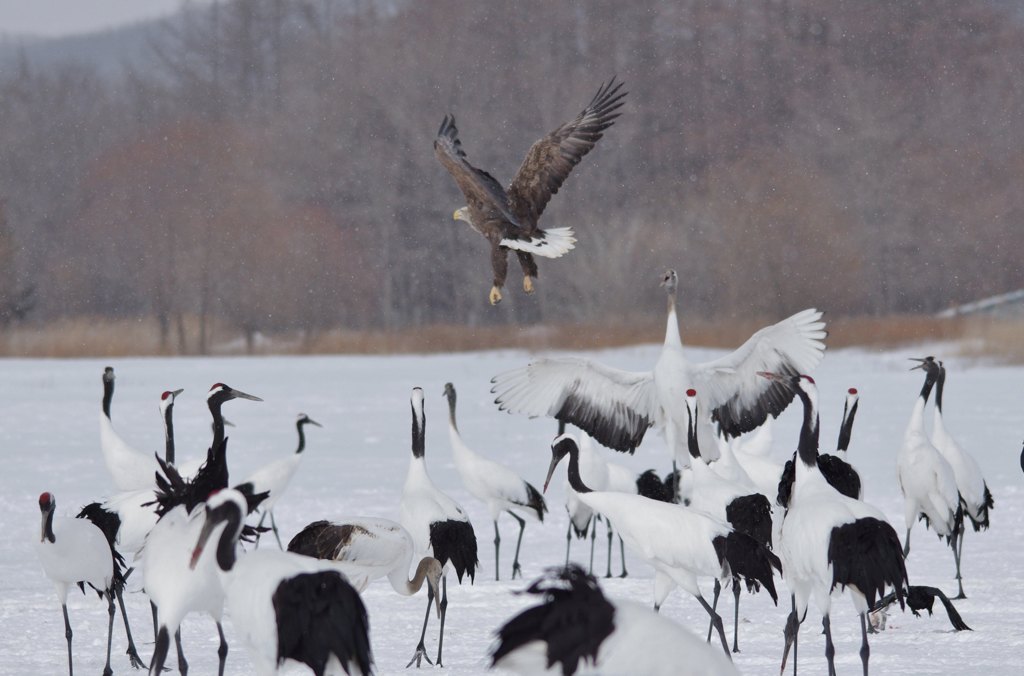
pixel 551 243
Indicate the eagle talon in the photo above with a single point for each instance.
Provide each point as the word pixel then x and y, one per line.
pixel 528 285
pixel 495 296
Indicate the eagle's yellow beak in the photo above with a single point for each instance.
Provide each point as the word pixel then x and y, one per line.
pixel 455 216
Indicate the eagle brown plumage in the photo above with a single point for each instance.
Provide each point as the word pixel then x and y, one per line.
pixel 508 219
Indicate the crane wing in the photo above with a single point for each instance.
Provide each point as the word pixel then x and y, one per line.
pixel 614 407
pixel 729 387
pixel 549 160
pixel 481 190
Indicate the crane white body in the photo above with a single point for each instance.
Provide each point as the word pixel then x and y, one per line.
pixel 252 585
pixel 129 468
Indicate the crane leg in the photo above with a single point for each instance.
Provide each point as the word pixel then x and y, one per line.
pixel 160 647
pixel 622 556
pixel 736 617
pixel 263 517
pixel 497 543
pixel 865 650
pixel 222 651
pixel 593 539
pixel 906 545
pixel 610 539
pixel 444 609
pixel 182 662
pixel 273 526
pixel 957 545
pixel 830 648
pixel 568 541
pixel 107 671
pixel 714 607
pixel 717 622
pixel 519 542
pixel 421 650
pixel 132 652
pixel 156 627
pixel 67 634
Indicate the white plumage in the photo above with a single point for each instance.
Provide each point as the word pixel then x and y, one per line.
pixel 75 551
pixel 438 525
pixel 498 487
pixel 368 548
pixel 924 476
pixel 579 630
pixel 276 475
pixel 131 469
pixel 616 407
pixel 549 243
pixel 680 543
pixel 829 541
pixel 268 596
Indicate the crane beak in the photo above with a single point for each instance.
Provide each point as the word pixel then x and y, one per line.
pixel 204 535
pixel 237 394
pixel 920 365
pixel 313 422
pixel 175 393
pixel 551 471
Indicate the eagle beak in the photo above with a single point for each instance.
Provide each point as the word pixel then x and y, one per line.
pixel 455 216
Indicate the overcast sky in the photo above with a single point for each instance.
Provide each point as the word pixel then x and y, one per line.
pixel 68 17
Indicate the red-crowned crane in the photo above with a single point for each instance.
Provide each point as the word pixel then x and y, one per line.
pixel 616 407
pixel 76 551
pixel 438 525
pixel 131 469
pixel 274 477
pixel 831 541
pixel 925 477
pixel 493 484
pixel 283 605
pixel 739 505
pixel 975 498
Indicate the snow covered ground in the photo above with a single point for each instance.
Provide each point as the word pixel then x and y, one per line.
pixel 356 464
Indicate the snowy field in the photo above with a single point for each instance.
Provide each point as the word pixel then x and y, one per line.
pixel 356 465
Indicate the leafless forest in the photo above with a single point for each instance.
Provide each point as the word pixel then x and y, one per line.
pixel 267 166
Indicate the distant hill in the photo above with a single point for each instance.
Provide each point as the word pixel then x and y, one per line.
pixel 106 50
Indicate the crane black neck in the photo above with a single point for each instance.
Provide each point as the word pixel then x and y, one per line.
pixel 419 423
pixel 926 390
pixel 226 545
pixel 849 412
pixel 169 434
pixel 575 479
pixel 940 383
pixel 302 434
pixel 450 393
pixel 807 447
pixel 691 436
pixel 218 421
pixel 48 526
pixel 108 392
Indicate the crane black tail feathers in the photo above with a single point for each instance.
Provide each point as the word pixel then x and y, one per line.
pixel 535 501
pixel 867 554
pixel 455 541
pixel 110 523
pixel 981 523
pixel 319 615
pixel 748 559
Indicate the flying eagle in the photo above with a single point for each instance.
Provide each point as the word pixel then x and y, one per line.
pixel 509 219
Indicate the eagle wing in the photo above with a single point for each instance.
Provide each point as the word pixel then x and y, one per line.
pixel 614 407
pixel 482 191
pixel 729 387
pixel 549 160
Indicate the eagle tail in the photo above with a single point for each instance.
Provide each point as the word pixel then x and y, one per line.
pixel 551 243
